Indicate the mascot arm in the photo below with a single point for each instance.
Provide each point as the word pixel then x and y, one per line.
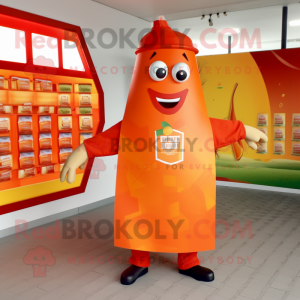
pixel 227 132
pixel 104 143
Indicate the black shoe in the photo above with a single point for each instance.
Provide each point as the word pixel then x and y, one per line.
pixel 131 274
pixel 199 273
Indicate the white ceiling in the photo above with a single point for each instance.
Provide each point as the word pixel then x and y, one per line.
pixel 149 10
pixel 267 20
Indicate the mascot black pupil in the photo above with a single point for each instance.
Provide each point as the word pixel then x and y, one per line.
pixel 181 75
pixel 161 73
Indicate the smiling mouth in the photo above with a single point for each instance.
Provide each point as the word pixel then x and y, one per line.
pixel 167 104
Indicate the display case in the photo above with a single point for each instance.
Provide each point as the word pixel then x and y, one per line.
pixel 50 101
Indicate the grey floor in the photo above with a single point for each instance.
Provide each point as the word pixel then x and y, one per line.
pixel 265 267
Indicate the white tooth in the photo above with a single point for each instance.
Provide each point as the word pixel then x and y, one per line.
pixel 168 100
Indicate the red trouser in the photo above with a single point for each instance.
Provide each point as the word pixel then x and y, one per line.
pixel 185 260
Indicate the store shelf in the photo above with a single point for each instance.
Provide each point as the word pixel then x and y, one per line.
pixel 16 98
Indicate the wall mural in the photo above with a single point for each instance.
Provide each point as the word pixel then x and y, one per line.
pixel 260 89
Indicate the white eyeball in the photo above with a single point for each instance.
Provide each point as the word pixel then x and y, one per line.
pixel 158 70
pixel 181 72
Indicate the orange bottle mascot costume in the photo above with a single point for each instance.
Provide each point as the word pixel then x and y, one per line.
pixel 166 190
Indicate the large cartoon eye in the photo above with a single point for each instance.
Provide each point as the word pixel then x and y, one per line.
pixel 158 70
pixel 181 72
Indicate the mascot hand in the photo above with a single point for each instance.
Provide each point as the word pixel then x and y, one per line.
pixel 77 158
pixel 254 137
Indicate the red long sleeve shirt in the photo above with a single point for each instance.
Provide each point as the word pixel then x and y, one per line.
pixel 106 143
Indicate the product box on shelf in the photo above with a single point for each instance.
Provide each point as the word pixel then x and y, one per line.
pixel 43 85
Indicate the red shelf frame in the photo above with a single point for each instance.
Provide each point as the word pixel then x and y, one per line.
pixel 31 23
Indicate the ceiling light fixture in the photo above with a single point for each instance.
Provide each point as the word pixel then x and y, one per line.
pixel 202 17
pixel 218 15
pixel 210 21
pixel 295 23
pixel 225 13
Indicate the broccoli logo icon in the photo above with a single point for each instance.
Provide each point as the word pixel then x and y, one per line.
pixel 40 68
pixel 39 258
pixel 97 167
